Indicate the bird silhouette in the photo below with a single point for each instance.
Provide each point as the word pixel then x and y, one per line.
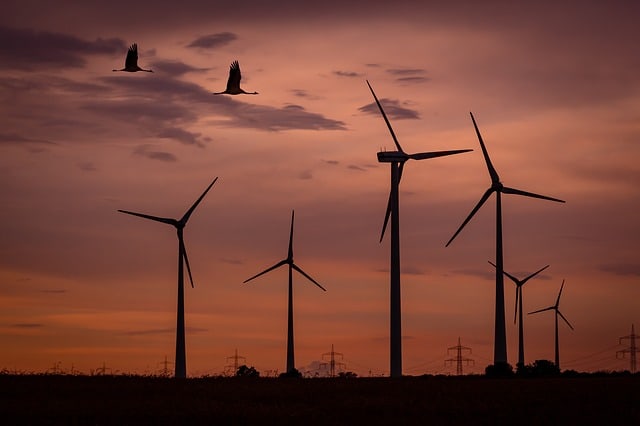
pixel 131 63
pixel 233 84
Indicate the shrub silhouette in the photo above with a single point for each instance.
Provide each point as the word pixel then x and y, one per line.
pixel 499 369
pixel 244 371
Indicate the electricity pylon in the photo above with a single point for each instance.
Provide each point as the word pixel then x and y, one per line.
pixel 632 350
pixel 332 361
pixel 459 359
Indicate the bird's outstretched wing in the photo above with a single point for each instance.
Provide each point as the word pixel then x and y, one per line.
pixel 132 57
pixel 233 84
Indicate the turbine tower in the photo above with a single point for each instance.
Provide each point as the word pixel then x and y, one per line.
pixel 397 160
pixel 557 311
pixel 292 265
pixel 500 335
pixel 181 357
pixel 518 309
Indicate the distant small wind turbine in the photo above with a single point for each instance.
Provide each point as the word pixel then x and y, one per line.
pixel 131 63
pixel 397 160
pixel 518 310
pixel 181 356
pixel 233 83
pixel 289 261
pixel 557 311
pixel 500 334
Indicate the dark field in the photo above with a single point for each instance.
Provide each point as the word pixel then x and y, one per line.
pixel 105 400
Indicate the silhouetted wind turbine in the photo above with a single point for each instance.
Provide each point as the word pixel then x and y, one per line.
pixel 181 357
pixel 233 83
pixel 500 336
pixel 557 311
pixel 397 160
pixel 292 265
pixel 131 63
pixel 518 309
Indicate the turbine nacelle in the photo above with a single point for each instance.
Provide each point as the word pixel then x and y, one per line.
pixel 392 157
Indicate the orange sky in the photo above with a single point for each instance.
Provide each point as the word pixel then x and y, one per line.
pixel 556 95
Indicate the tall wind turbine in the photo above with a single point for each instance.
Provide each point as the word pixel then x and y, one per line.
pixel 397 160
pixel 292 265
pixel 518 310
pixel 557 311
pixel 500 335
pixel 181 356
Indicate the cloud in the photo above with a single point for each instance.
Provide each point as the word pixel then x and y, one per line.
pixel 30 50
pixel 184 136
pixel 357 168
pixel 332 162
pixel 175 68
pixel 406 71
pixel 54 291
pixel 347 74
pixel 413 79
pixel 623 269
pixel 146 151
pixel 27 325
pixel 162 99
pixel 87 166
pixel 14 138
pixel 392 108
pixel 301 93
pixel 305 175
pixel 213 41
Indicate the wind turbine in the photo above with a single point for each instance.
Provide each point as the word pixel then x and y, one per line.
pixel 500 336
pixel 181 357
pixel 518 310
pixel 557 311
pixel 292 265
pixel 397 160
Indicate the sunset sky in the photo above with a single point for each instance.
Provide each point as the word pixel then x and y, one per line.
pixel 554 88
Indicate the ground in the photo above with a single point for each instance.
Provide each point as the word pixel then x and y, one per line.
pixel 122 400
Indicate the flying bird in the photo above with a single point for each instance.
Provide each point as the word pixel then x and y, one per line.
pixel 131 63
pixel 233 84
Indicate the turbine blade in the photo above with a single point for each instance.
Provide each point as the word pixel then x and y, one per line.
pixel 492 171
pixel 427 155
pixel 290 252
pixel 386 120
pixel 186 261
pixel 186 216
pixel 515 312
pixel 294 266
pixel 559 294
pixel 388 212
pixel 542 310
pixel 534 274
pixel 386 218
pixel 156 218
pixel 507 190
pixel 277 265
pixel 475 209
pixel 511 277
pixel 565 320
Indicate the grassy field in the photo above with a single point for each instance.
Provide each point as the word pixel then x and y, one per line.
pixel 124 400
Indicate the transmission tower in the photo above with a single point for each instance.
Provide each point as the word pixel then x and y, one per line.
pixel 332 361
pixel 632 350
pixel 235 357
pixel 459 359
pixel 165 367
